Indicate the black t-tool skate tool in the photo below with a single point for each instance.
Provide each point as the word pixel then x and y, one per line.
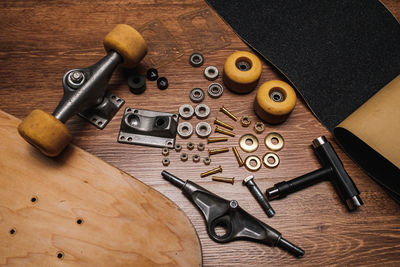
pixel 239 224
pixel 332 169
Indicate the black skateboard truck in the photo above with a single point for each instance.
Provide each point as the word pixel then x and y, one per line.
pixel 332 170
pixel 239 224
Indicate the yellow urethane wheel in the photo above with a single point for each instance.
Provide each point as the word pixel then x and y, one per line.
pixel 128 42
pixel 274 101
pixel 242 70
pixel 45 132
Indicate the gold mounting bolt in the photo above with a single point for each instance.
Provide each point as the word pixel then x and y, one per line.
pixel 217 151
pixel 216 139
pixel 238 158
pixel 210 172
pixel 228 113
pixel 223 179
pixel 223 131
pixel 223 124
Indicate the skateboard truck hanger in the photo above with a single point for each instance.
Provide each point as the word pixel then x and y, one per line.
pixel 222 213
pixel 332 169
pixel 85 93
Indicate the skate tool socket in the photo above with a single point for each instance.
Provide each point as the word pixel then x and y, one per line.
pixel 332 169
pixel 85 93
pixel 239 224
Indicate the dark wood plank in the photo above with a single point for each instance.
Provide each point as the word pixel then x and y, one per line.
pixel 40 40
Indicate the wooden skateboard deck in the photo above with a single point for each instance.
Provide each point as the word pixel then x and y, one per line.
pixel 78 210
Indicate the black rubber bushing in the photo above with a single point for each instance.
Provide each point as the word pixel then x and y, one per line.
pixel 137 83
pixel 152 74
pixel 162 83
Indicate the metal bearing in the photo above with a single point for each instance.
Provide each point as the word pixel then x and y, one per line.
pixel 203 129
pixel 245 121
pixel 248 163
pixel 248 143
pixel 186 111
pixel 202 111
pixel 196 59
pixel 196 158
pixel 259 127
pixel 196 95
pixel 215 90
pixel 211 73
pixel 271 160
pixel 274 141
pixel 185 129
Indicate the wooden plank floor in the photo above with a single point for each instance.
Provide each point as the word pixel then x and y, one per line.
pixel 41 40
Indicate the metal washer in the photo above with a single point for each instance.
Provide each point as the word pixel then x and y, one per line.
pixel 186 111
pixel 278 145
pixel 203 129
pixel 185 129
pixel 202 111
pixel 215 90
pixel 251 147
pixel 211 73
pixel 249 159
pixel 196 95
pixel 269 164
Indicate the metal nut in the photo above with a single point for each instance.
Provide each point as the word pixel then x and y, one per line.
pixel 165 151
pixel 190 145
pixel 215 90
pixel 185 129
pixel 203 129
pixel 202 111
pixel 259 127
pixel 184 156
pixel 186 111
pixel 196 158
pixel 200 146
pixel 245 121
pixel 178 147
pixel 196 59
pixel 196 95
pixel 207 161
pixel 211 73
pixel 165 161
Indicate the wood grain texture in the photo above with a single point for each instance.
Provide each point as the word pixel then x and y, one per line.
pixel 41 40
pixel 79 210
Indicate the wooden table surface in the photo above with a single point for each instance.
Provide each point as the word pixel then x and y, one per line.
pixel 41 40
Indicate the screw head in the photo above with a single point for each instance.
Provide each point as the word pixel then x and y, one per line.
pixel 247 179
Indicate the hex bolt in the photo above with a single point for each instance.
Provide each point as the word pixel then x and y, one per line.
pixel 223 124
pixel 217 151
pixel 76 76
pixel 228 113
pixel 258 195
pixel 223 131
pixel 210 172
pixel 216 139
pixel 223 179
pixel 237 155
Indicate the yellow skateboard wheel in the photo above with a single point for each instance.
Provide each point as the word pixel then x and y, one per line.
pixel 45 132
pixel 128 42
pixel 274 101
pixel 242 70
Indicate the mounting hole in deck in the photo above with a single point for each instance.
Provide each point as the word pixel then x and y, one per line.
pixel 79 221
pixel 60 255
pixel 12 231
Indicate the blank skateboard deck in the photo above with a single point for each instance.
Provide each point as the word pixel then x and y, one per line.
pixel 78 210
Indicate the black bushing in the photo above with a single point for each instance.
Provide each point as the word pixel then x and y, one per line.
pixel 137 83
pixel 162 83
pixel 152 74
